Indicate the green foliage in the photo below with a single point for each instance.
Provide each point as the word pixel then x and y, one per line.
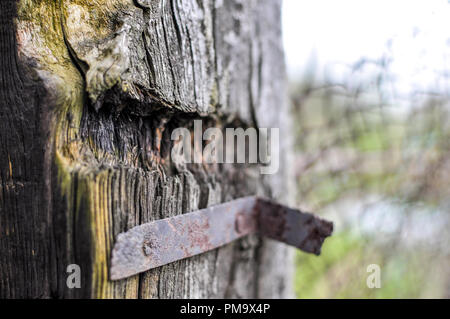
pixel 353 142
pixel 340 271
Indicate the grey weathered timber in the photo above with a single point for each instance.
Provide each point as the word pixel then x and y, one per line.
pixel 90 92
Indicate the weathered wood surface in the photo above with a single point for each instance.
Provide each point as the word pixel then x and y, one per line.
pixel 90 91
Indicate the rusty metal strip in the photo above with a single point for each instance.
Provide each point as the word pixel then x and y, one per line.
pixel 167 240
pixel 291 226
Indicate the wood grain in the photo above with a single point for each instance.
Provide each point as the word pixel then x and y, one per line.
pixel 90 91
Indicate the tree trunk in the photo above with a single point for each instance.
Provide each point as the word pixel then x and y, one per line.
pixel 90 93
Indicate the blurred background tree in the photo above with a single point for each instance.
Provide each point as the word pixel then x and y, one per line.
pixel 373 143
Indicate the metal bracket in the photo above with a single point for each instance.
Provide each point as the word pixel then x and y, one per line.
pixel 167 240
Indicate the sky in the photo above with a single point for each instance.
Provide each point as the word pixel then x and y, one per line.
pixel 331 32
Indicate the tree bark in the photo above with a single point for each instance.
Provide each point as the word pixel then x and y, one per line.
pixel 90 93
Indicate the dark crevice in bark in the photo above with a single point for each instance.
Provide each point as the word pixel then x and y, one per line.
pixel 169 59
pixel 149 59
pixel 81 66
pixel 214 40
pixel 176 24
pixel 251 101
pixel 191 51
pixel 229 292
